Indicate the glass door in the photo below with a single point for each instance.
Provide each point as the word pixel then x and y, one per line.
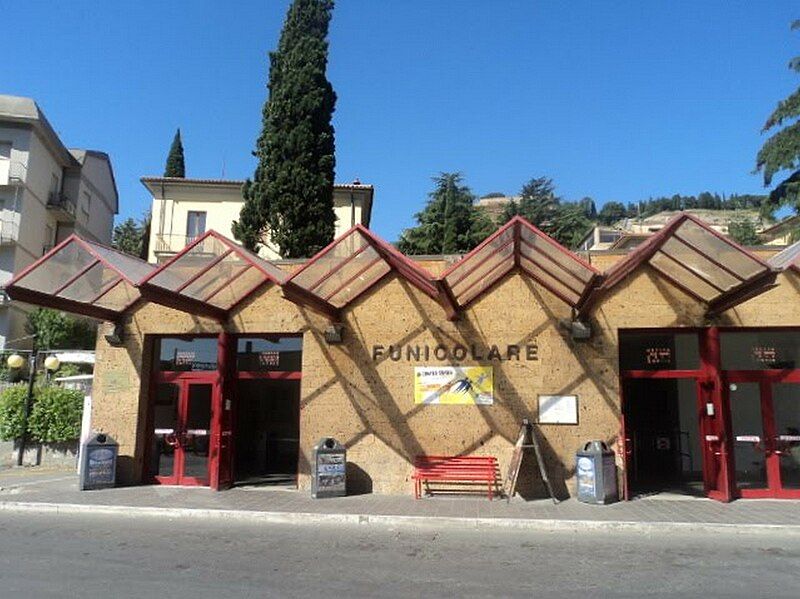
pixel 749 439
pixel 181 432
pixel 785 446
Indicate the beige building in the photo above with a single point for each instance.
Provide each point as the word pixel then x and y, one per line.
pixel 47 192
pixel 184 209
pixel 220 367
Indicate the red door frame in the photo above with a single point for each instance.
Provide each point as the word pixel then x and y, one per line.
pixel 184 380
pixel 712 427
pixel 765 380
pixel 275 375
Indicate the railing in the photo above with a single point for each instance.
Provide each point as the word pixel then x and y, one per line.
pixel 171 243
pixel 57 200
pixel 9 231
pixel 12 172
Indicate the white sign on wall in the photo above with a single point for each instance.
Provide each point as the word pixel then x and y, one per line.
pixel 558 409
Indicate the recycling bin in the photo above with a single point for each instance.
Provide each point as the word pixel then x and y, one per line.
pixel 98 466
pixel 596 474
pixel 330 462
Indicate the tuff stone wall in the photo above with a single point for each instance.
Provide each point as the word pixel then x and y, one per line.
pixel 368 403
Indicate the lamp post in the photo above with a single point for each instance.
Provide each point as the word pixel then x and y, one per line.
pixel 16 361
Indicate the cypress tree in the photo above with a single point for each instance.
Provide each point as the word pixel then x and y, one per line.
pixel 175 165
pixel 290 197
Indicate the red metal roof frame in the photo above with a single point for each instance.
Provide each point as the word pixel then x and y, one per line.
pixel 516 225
pixel 747 288
pixel 51 300
pixel 396 261
pixel 180 301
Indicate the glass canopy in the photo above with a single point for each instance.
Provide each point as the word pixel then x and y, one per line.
pixel 787 258
pixel 350 266
pixel 211 275
pixel 700 261
pixel 82 277
pixel 519 244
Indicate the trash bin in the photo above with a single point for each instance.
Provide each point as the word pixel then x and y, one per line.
pixel 596 474
pixel 330 461
pixel 98 467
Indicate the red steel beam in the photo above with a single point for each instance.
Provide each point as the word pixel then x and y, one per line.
pixel 299 295
pixel 545 284
pixel 535 261
pixel 352 278
pixel 748 290
pixel 108 288
pixel 204 270
pixel 691 271
pixel 77 276
pixel 560 266
pixel 59 303
pixel 707 256
pixel 338 267
pixel 480 263
pixel 227 282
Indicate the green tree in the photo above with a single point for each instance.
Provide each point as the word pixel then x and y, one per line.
pixel 290 197
pixel 56 414
pixel 12 411
pixel 611 212
pixel 56 330
pixel 743 231
pixel 176 166
pixel 450 223
pixel 568 224
pixel 589 208
pixel 538 201
pixel 129 237
pixel 510 210
pixel 781 152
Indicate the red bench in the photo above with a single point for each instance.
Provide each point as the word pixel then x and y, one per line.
pixel 455 469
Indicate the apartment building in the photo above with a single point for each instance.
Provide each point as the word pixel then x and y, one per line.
pixel 184 209
pixel 47 192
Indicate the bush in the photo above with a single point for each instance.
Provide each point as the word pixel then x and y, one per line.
pixel 56 414
pixel 12 411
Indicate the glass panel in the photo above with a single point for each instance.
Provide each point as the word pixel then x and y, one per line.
pixel 119 297
pixel 355 287
pixel 700 265
pixel 326 263
pixel 567 279
pixel 133 268
pixel 230 293
pixel 566 260
pixel 165 429
pixel 210 280
pixel 487 273
pixel 648 350
pixel 748 436
pixel 261 354
pixel 89 284
pixel 711 245
pixel 760 350
pixel 187 265
pixel 786 406
pixel 546 279
pixel 175 354
pixel 497 272
pixel 787 257
pixel 198 432
pixel 58 269
pixel 460 273
pixel 677 272
pixel 345 271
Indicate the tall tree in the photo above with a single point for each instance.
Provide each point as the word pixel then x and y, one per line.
pixel 449 223
pixel 611 212
pixel 176 167
pixel 781 152
pixel 128 237
pixel 743 231
pixel 538 201
pixel 290 198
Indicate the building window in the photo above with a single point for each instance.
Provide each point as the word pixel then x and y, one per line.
pixel 269 353
pixel 185 354
pixel 759 350
pixel 645 350
pixel 87 204
pixel 195 225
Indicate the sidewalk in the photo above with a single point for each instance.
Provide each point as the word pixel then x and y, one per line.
pixel 56 491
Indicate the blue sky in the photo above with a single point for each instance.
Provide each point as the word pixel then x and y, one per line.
pixel 614 100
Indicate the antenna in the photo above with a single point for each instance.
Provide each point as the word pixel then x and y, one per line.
pixel 222 176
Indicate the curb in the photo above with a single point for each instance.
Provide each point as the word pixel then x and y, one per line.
pixel 300 518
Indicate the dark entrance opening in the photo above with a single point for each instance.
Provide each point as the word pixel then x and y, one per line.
pixel 662 423
pixel 267 431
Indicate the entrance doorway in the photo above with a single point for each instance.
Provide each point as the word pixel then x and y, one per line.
pixel 662 425
pixel 267 436
pixel 181 432
pixel 765 430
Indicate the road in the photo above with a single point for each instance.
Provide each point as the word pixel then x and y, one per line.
pixel 101 556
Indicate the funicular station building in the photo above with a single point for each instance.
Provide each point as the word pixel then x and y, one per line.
pixel 220 367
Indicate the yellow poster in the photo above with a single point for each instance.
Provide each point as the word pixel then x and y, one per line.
pixel 454 385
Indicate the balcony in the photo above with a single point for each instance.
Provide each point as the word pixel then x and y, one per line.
pixel 12 173
pixel 63 206
pixel 167 244
pixel 9 232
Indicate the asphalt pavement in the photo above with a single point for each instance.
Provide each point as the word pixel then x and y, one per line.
pixel 58 555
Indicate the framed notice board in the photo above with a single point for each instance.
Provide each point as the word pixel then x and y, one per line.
pixel 558 409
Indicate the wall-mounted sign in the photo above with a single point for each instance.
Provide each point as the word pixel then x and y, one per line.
pixel 558 409
pixel 456 353
pixel 269 359
pixel 454 385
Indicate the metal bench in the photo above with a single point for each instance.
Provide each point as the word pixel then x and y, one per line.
pixel 455 469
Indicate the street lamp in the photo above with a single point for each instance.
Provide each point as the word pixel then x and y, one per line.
pixel 16 361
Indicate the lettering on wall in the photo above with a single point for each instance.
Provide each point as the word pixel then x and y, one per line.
pixel 456 353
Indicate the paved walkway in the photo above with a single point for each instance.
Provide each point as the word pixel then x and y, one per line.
pixel 33 490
